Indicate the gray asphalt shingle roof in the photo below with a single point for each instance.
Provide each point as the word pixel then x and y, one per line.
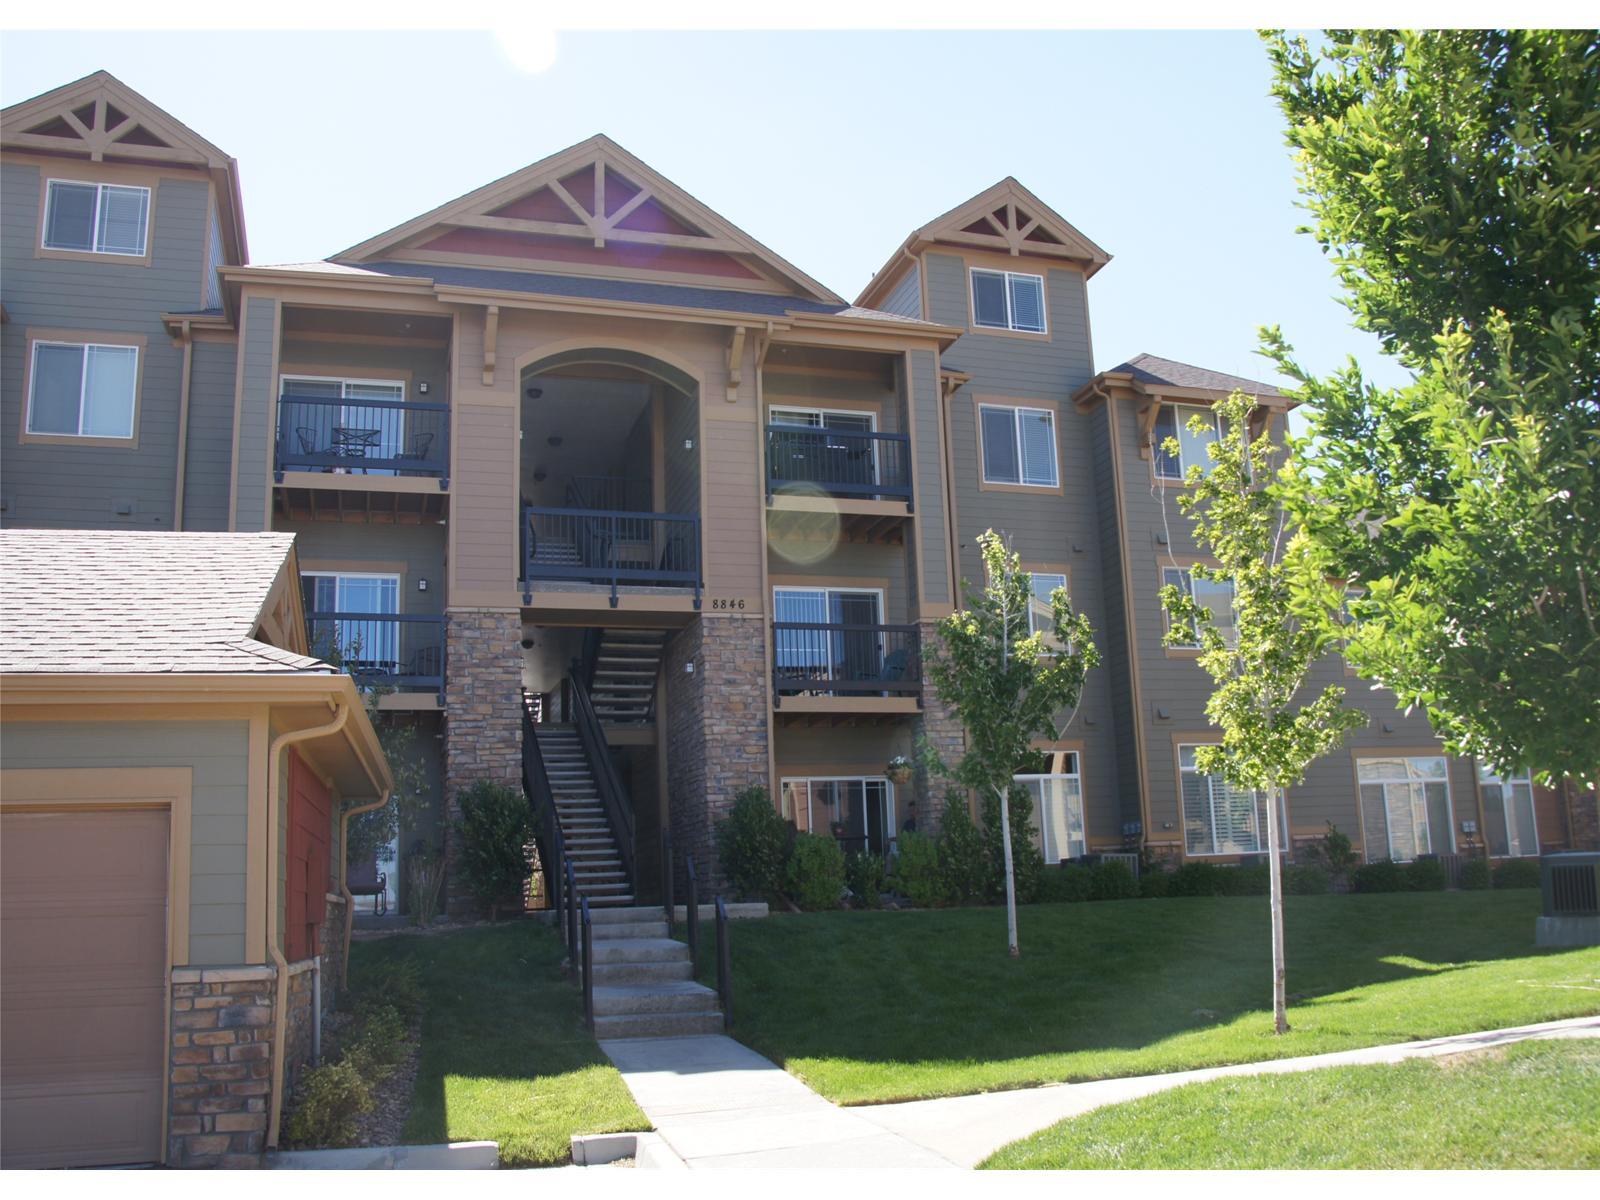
pixel 1147 368
pixel 130 602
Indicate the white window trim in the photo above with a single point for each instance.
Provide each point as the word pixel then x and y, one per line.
pixel 1083 808
pixel 94 221
pixel 1384 782
pixel 83 383
pixel 399 592
pixel 1188 572
pixel 1488 778
pixel 1211 800
pixel 1016 434
pixel 892 828
pixel 1032 612
pixel 1010 326
pixel 830 590
pixel 343 381
pixel 1180 419
pixel 812 408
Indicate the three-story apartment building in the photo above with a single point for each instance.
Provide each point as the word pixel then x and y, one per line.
pixel 582 474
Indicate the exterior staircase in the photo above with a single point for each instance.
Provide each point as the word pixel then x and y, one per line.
pixel 643 985
pixel 625 669
pixel 591 846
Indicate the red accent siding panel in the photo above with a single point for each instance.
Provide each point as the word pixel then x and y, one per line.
pixel 306 906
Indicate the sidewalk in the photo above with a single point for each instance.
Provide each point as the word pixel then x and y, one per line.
pixel 719 1104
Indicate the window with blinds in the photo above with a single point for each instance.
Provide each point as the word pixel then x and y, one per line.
pixel 82 390
pixel 1405 805
pixel 1219 818
pixel 1508 820
pixel 1215 596
pixel 1008 300
pixel 1019 445
pixel 96 218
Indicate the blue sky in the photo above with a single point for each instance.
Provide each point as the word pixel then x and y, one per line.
pixel 1165 148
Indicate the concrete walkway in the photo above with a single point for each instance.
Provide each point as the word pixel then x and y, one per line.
pixel 719 1104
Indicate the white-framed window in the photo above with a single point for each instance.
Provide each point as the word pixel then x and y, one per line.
pixel 1008 300
pixel 823 418
pixel 329 414
pixel 1058 808
pixel 851 648
pixel 82 389
pixel 1172 421
pixel 1405 804
pixel 368 646
pixel 1508 818
pixel 1215 596
pixel 96 218
pixel 1019 445
pixel 1041 616
pixel 1219 818
pixel 860 808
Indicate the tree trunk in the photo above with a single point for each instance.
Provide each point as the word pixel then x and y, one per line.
pixel 1011 882
pixel 1280 1003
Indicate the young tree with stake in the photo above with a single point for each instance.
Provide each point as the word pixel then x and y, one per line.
pixel 1279 602
pixel 1007 683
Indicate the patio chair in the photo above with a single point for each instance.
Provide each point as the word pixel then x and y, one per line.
pixel 364 879
pixel 421 443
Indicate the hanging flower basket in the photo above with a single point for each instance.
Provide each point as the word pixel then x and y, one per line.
pixel 899 770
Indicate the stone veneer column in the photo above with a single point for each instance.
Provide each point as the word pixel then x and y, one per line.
pixel 482 719
pixel 1585 816
pixel 220 1072
pixel 716 731
pixel 945 733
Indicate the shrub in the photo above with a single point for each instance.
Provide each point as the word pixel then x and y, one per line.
pixel 1247 881
pixel 1517 873
pixel 1198 879
pixel 331 1099
pixel 816 871
pixel 1475 875
pixel 424 878
pixel 1307 880
pixel 1112 881
pixel 1384 876
pixel 916 869
pixel 382 1041
pixel 1155 883
pixel 1426 875
pixel 1026 860
pixel 1064 885
pixel 494 827
pixel 963 870
pixel 394 984
pixel 1333 853
pixel 864 875
pixel 753 845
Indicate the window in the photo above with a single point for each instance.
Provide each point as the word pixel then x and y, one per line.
pixel 1041 616
pixel 82 390
pixel 1219 818
pixel 1019 445
pixel 1006 300
pixel 1405 803
pixel 859 811
pixel 1508 824
pixel 358 418
pixel 1172 421
pixel 96 218
pixel 368 647
pixel 849 647
pixel 1216 597
pixel 1058 808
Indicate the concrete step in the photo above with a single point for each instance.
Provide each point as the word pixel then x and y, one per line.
pixel 629 929
pixel 628 999
pixel 598 904
pixel 647 912
pixel 618 974
pixel 658 1025
pixel 596 890
pixel 639 950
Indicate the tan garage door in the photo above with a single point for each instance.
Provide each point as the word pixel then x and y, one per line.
pixel 83 931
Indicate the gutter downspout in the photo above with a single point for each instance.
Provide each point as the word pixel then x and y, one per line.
pixel 280 1015
pixel 187 337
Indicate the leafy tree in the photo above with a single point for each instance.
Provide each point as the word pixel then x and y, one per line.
pixel 1269 736
pixel 1454 179
pixel 1005 683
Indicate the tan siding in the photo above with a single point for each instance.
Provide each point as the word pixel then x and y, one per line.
pixel 483 500
pixel 731 538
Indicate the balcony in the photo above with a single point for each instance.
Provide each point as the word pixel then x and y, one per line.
pixel 845 463
pixel 610 547
pixel 368 438
pixel 829 667
pixel 392 651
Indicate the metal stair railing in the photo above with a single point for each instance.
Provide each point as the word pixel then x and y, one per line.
pixel 613 797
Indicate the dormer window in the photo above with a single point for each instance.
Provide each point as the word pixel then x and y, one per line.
pixel 1007 300
pixel 1172 421
pixel 96 218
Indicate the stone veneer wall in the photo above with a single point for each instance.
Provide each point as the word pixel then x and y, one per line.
pixel 716 731
pixel 1584 818
pixel 944 732
pixel 220 1075
pixel 483 719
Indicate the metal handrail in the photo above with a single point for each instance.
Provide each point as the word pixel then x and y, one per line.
pixel 417 645
pixel 724 966
pixel 306 436
pixel 842 462
pixel 592 545
pixel 573 900
pixel 553 852
pixel 694 915
pixel 668 908
pixel 613 797
pixel 832 657
pixel 588 964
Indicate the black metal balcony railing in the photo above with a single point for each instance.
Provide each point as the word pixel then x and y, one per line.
pixel 611 547
pixel 842 462
pixel 398 650
pixel 368 437
pixel 849 660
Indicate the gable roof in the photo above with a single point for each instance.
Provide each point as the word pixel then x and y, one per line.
pixel 1006 219
pixel 621 202
pixel 1164 372
pixel 126 602
pixel 103 119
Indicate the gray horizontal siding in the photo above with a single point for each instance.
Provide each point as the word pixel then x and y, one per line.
pixel 68 486
pixel 255 435
pixel 209 469
pixel 359 546
pixel 905 298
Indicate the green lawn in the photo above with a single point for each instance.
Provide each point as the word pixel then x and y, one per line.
pixel 1529 1105
pixel 505 1053
pixel 870 1007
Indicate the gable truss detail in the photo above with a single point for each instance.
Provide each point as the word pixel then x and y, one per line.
pixel 102 118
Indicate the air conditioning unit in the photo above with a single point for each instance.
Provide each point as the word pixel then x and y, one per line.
pixel 1570 883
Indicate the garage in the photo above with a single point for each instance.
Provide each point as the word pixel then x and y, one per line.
pixel 83 954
